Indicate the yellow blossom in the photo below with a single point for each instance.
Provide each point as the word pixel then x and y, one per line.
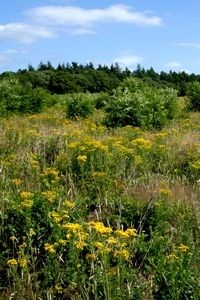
pixel 80 244
pixel 73 227
pixel 82 158
pixel 49 195
pixel 142 143
pixel 26 195
pixel 122 233
pixel 98 245
pixel 49 248
pixel 69 203
pixel 100 228
pixel 112 241
pixel 27 203
pixel 22 262
pixel 62 242
pixel 124 254
pixel 165 192
pixel 57 218
pixel 172 257
pixel 183 248
pixel 131 231
pixel 12 262
pixel 16 181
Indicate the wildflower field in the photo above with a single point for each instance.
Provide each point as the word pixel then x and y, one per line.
pixel 94 213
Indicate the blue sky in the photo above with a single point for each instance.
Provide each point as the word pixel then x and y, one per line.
pixel 162 34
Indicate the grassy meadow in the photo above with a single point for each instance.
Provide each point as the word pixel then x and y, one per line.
pixel 94 213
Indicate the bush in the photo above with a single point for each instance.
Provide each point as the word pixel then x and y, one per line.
pixel 79 105
pixel 137 104
pixel 18 98
pixel 193 96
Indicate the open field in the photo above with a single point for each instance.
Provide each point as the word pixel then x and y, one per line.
pixel 92 213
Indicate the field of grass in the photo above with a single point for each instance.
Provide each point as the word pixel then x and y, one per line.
pixel 91 213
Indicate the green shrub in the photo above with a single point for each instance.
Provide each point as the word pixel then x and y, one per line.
pixel 137 104
pixel 17 98
pixel 193 96
pixel 79 105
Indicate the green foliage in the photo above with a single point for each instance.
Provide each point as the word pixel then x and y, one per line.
pixel 22 98
pixel 193 96
pixel 137 104
pixel 79 105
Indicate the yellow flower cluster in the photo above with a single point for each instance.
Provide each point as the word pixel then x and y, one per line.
pixel 99 227
pixel 130 232
pixel 22 262
pixel 142 143
pixel 27 202
pixel 50 248
pixel 49 195
pixel 82 158
pixel 183 248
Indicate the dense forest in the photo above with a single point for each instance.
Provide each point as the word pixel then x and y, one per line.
pixel 74 77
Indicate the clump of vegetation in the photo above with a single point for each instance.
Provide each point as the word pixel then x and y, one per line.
pixel 80 105
pixel 16 98
pixel 136 103
pixel 193 96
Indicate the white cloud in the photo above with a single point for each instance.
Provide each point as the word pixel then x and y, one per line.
pixel 23 32
pixel 54 20
pixel 128 60
pixel 191 45
pixel 173 64
pixel 77 16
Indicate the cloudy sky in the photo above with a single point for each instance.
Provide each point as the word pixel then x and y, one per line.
pixel 162 34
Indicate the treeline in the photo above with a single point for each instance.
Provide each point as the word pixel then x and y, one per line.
pixel 76 78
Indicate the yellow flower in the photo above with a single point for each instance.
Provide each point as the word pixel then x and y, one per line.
pixel 82 158
pixel 27 203
pixel 183 248
pixel 142 143
pixel 112 241
pixel 165 192
pixel 62 242
pixel 22 262
pixel 73 227
pixel 122 233
pixel 26 195
pixel 69 203
pixel 100 228
pixel 57 218
pixel 12 262
pixel 122 254
pixel 80 244
pixel 98 245
pixel 131 231
pixel 49 195
pixel 49 248
pixel 172 257
pixel 16 181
